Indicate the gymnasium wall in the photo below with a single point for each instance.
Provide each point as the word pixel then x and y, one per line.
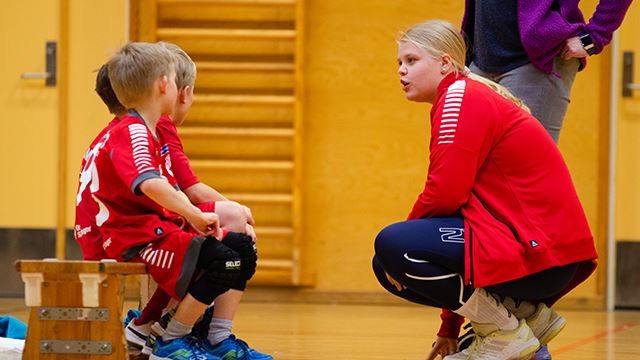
pixel 365 146
pixel 96 31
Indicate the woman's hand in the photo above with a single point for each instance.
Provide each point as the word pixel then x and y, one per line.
pixel 573 49
pixel 443 347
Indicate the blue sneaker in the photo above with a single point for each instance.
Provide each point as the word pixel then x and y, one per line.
pixel 233 348
pixel 131 315
pixel 542 354
pixel 184 348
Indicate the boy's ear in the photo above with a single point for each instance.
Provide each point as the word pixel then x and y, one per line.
pixel 163 83
pixel 183 94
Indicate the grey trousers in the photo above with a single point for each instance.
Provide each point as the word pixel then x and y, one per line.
pixel 547 95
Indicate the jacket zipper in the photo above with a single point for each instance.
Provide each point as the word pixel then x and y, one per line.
pixel 470 256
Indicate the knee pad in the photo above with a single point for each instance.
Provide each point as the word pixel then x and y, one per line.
pixel 221 258
pixel 212 284
pixel 246 248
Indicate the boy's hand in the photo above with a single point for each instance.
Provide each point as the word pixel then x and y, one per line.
pixel 233 216
pixel 251 233
pixel 208 224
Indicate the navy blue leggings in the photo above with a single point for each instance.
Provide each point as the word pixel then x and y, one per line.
pixel 427 257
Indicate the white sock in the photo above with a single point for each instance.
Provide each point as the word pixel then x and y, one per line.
pixel 176 329
pixel 219 330
pixel 483 308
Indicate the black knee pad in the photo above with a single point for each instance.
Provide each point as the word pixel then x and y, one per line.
pixel 216 256
pixel 221 267
pixel 246 248
pixel 212 284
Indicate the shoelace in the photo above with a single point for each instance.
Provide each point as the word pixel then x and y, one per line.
pixel 486 349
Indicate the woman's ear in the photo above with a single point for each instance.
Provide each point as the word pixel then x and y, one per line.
pixel 446 64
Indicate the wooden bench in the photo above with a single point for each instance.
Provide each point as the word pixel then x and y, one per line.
pixel 76 308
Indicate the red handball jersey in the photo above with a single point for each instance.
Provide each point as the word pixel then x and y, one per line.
pixel 181 169
pixel 86 232
pixel 126 155
pixel 175 167
pixel 495 164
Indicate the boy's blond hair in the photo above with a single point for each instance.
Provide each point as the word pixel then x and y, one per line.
pixel 185 67
pixel 134 69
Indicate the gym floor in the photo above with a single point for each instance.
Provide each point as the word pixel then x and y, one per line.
pixel 295 331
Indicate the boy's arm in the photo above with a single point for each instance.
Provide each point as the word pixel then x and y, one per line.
pixel 160 191
pixel 233 216
pixel 200 193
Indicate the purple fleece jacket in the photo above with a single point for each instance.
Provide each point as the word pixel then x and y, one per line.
pixel 543 31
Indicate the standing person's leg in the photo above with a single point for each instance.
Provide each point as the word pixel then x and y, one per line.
pixel 547 95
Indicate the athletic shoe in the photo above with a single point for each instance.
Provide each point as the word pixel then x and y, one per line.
pixel 233 348
pixel 542 354
pixel 465 340
pixel 492 344
pixel 136 335
pixel 545 323
pixel 184 348
pixel 157 330
pixel 131 315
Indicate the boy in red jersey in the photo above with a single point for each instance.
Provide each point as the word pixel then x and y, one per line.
pixel 133 193
pixel 233 217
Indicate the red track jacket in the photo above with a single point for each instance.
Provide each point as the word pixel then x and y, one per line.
pixel 497 166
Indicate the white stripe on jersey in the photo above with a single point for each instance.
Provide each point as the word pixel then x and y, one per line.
pixel 170 261
pixel 451 112
pixel 145 252
pixel 164 259
pixel 140 148
pixel 155 256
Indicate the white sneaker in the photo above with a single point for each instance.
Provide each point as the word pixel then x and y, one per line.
pixel 493 344
pixel 136 335
pixel 545 323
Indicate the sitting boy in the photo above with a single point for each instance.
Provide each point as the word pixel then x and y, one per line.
pixel 233 216
pixel 219 339
pixel 131 193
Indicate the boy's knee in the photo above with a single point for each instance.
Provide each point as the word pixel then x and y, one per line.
pixel 246 249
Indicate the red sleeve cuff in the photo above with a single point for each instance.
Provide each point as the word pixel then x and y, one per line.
pixel 451 324
pixel 209 206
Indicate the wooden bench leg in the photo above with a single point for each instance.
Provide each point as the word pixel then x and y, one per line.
pixel 63 328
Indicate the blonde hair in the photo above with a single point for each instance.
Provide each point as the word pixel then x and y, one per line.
pixel 134 69
pixel 185 67
pixel 439 37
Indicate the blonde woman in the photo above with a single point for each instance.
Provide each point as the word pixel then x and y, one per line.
pixel 498 233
